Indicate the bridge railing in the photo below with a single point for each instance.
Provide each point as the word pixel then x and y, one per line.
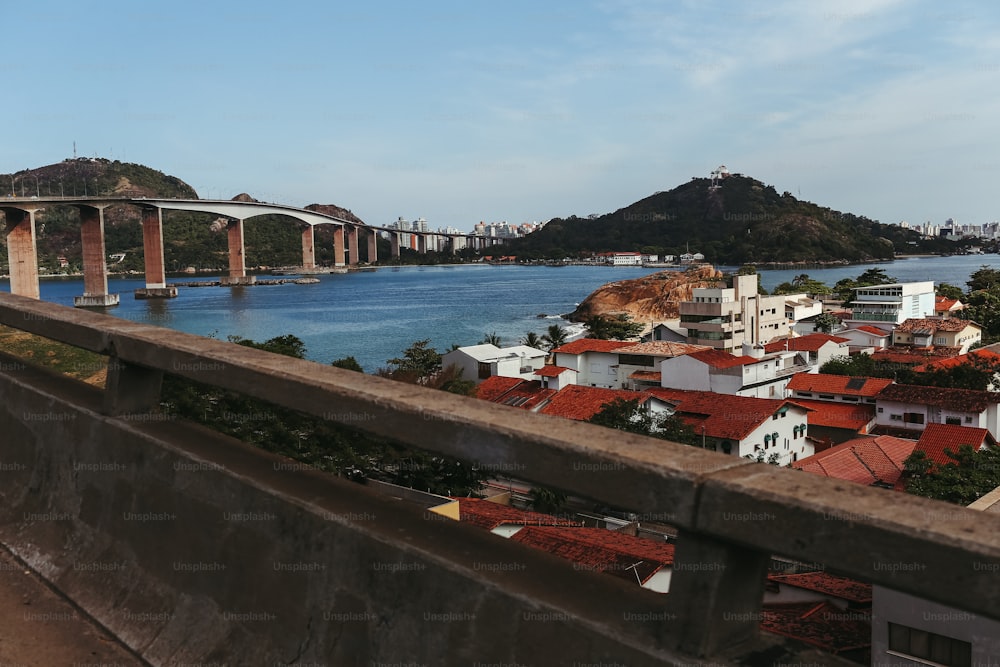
pixel 731 514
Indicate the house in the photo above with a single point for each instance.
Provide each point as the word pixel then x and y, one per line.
pixel 759 375
pixel 885 306
pixel 871 460
pixel 799 307
pixel 846 634
pixel 498 518
pixel 945 307
pixel 581 402
pixel 908 631
pixel 816 348
pixel 639 364
pixel 839 388
pixel 624 258
pixel 479 362
pixel 831 423
pixel 936 438
pixel 556 377
pixel 910 408
pixel 727 317
pixel 595 361
pixel 934 332
pixel 639 560
pixel 514 392
pixel 983 355
pixel 742 426
pixel 865 337
pixel 669 331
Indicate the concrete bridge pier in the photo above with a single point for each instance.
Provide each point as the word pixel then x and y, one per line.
pixel 309 248
pixel 372 246
pixel 394 243
pixel 152 250
pixel 22 253
pixel 352 245
pixel 421 243
pixel 338 246
pixel 237 258
pixel 95 263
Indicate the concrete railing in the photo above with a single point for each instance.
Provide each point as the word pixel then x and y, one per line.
pixel 98 477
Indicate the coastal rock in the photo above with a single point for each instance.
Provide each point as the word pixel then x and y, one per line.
pixel 652 297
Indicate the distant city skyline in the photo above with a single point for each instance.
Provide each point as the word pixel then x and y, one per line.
pixel 465 113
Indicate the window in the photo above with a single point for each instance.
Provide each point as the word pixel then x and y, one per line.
pixel 929 647
pixel 913 417
pixel 953 420
pixel 805 394
pixel 826 397
pixel 968 419
pixel 484 370
pixel 880 410
pixel 896 418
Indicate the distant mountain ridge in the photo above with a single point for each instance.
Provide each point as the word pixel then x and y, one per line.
pixel 738 221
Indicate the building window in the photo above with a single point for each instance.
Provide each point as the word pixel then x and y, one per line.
pixel 484 370
pixel 968 419
pixel 880 410
pixel 913 417
pixel 953 420
pixel 929 647
pixel 896 418
pixel 826 397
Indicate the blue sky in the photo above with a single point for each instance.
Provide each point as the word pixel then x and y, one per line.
pixel 466 111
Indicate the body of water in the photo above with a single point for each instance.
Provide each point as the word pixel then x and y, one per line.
pixel 375 315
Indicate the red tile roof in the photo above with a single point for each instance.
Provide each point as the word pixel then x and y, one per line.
pixel 633 558
pixel 875 331
pixel 592 345
pixel 853 416
pixel 721 358
pixel 931 325
pixel 959 400
pixel 646 376
pixel 551 371
pixel 938 437
pixel 944 304
pixel 984 355
pixel 828 584
pixel 662 348
pixel 490 515
pixel 819 624
pixel 825 383
pixel 496 386
pixel 722 416
pixel 581 403
pixel 869 460
pixel 808 343
pixel 912 356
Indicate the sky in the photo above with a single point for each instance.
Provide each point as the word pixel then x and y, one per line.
pixel 460 112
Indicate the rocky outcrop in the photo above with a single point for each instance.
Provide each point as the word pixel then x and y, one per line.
pixel 336 211
pixel 653 297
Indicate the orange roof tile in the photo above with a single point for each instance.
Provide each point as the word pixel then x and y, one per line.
pixel 875 331
pixel 854 416
pixel 662 348
pixel 633 558
pixel 960 400
pixel 489 515
pixel 551 371
pixel 938 437
pixel 912 356
pixel 826 383
pixel 807 343
pixel 646 376
pixel 496 386
pixel 984 355
pixel 722 416
pixel 581 403
pixel 592 345
pixel 931 325
pixel 820 624
pixel 828 584
pixel 868 460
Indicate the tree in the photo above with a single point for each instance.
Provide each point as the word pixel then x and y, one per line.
pixel 491 339
pixel 555 336
pixel 547 501
pixel 969 477
pixel 875 277
pixel 630 416
pixel 826 323
pixel 617 327
pixel 949 291
pixel 979 372
pixel 418 364
pixel 288 345
pixel 350 363
pixel 986 278
pixel 531 339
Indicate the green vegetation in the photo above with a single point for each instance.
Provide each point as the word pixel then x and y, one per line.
pixel 554 337
pixel 744 221
pixel 630 416
pixel 612 327
pixel 969 476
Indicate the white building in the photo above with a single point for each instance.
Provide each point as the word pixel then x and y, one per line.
pixel 727 317
pixel 757 376
pixel 479 362
pixel 885 306
pixel 912 407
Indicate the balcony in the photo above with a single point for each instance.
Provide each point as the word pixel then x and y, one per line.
pixel 97 475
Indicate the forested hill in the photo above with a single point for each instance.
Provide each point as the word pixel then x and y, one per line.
pixel 190 239
pixel 740 221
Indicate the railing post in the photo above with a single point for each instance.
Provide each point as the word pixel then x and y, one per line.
pixel 716 590
pixel 130 388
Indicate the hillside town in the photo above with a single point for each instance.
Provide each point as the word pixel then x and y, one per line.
pixel 741 371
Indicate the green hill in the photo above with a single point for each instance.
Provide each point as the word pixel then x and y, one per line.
pixel 741 221
pixel 190 239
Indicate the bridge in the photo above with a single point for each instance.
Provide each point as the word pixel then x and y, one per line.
pixel 22 253
pixel 169 534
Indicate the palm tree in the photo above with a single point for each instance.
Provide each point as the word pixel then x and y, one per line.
pixel 531 339
pixel 554 337
pixel 491 339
